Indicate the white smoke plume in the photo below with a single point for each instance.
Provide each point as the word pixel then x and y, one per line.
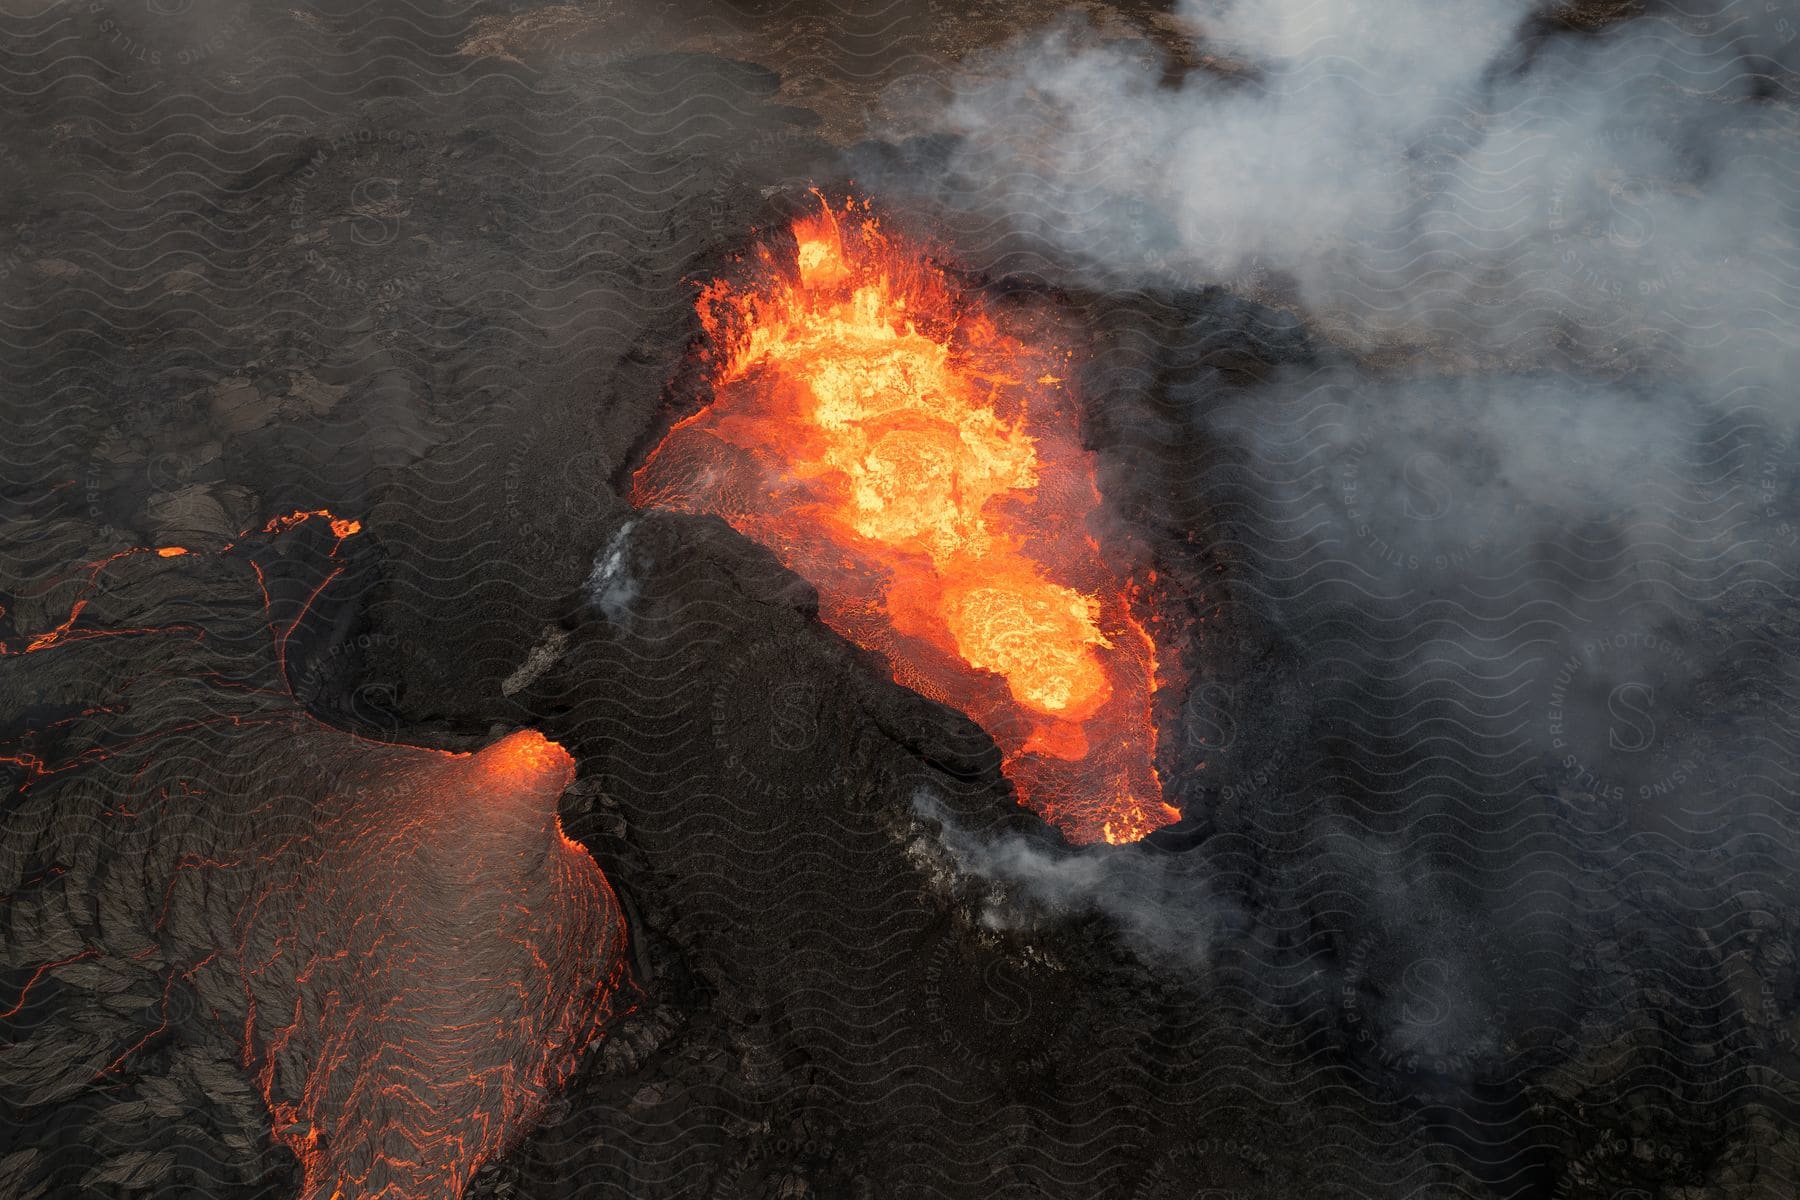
pixel 1161 903
pixel 1552 276
pixel 1415 172
pixel 613 583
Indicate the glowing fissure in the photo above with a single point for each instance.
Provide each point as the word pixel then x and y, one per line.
pixel 875 427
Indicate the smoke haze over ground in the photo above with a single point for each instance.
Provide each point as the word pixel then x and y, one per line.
pixel 1413 172
pixel 1525 509
pixel 1438 358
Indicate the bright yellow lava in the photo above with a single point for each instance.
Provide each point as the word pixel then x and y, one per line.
pixel 873 425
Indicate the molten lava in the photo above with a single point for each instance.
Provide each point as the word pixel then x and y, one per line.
pixel 874 425
pixel 407 952
pixel 425 967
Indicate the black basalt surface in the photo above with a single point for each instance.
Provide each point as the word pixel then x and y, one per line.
pixel 433 268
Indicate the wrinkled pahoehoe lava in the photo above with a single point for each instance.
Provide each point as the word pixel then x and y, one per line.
pixel 1440 357
pixel 400 946
pixel 421 965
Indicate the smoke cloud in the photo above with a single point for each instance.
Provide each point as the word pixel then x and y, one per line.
pixel 613 583
pixel 1526 512
pixel 1409 172
pixel 1160 902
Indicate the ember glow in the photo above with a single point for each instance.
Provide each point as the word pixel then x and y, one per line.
pixel 408 951
pixel 422 972
pixel 874 425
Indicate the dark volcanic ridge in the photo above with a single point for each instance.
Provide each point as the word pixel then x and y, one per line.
pixel 1484 884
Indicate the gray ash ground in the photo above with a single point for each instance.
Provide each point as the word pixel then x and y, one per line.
pixel 432 268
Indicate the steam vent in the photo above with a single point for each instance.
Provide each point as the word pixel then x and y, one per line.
pixel 807 600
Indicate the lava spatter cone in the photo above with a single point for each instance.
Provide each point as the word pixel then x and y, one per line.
pixel 874 424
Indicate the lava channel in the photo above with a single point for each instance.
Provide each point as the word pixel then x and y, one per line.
pixel 874 426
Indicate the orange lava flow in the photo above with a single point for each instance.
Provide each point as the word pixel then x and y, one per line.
pixel 422 971
pixel 408 951
pixel 875 427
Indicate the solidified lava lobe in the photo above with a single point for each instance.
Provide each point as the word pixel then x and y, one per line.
pixel 874 426
pixel 426 967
